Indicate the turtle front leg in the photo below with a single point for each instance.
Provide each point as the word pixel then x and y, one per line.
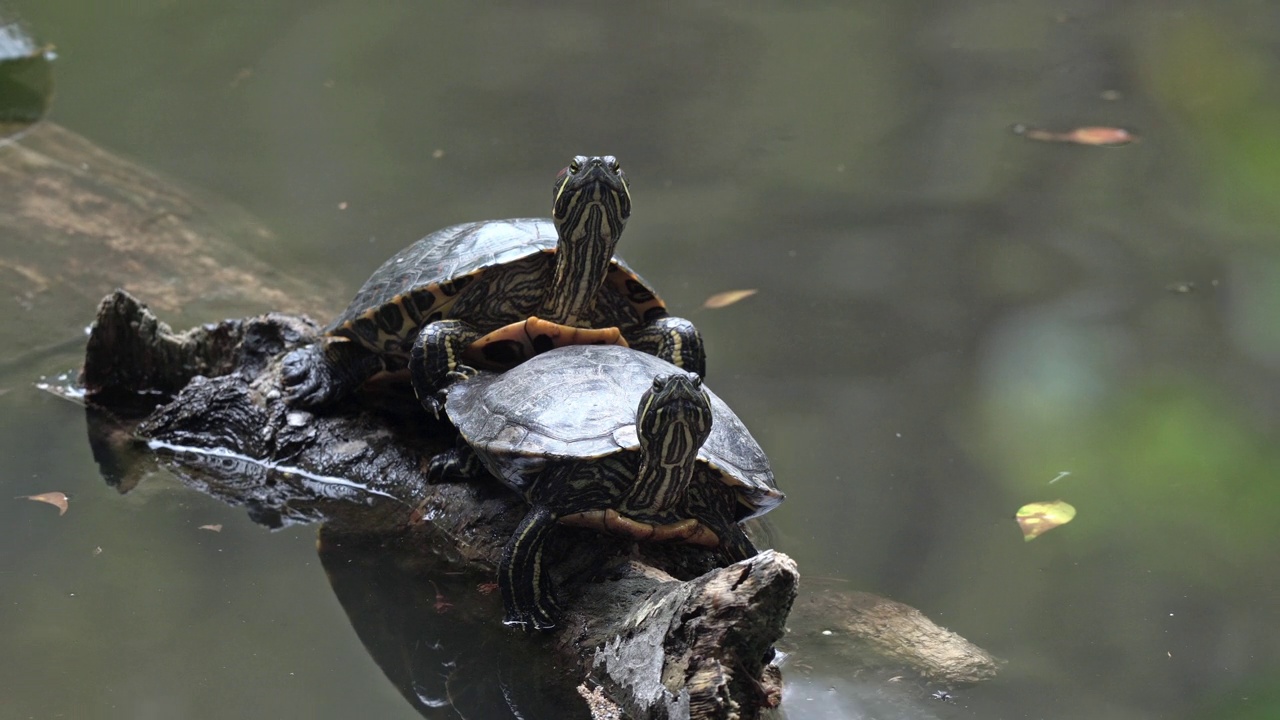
pixel 526 588
pixel 673 339
pixel 436 352
pixel 326 371
pixel 457 463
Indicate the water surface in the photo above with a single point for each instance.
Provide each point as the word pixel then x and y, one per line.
pixel 949 317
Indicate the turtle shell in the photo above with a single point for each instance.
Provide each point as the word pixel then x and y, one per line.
pixel 579 403
pixel 420 283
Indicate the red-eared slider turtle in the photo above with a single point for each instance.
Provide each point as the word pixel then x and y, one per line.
pixel 437 297
pixel 611 439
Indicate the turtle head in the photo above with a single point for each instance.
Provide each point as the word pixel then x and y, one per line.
pixel 590 210
pixel 674 418
pixel 592 202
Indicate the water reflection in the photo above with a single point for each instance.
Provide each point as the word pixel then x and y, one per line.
pixel 426 623
pixel 431 629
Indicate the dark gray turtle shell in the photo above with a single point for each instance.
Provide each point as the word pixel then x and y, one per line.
pixel 420 283
pixel 579 403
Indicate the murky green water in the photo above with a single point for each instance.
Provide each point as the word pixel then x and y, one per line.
pixel 949 317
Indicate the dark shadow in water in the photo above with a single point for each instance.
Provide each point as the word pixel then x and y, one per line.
pixel 430 628
pixel 427 624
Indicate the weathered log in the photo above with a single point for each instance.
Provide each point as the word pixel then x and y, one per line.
pixel 136 352
pixel 665 635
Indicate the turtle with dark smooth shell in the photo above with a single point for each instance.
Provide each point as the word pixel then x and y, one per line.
pixel 489 281
pixel 611 439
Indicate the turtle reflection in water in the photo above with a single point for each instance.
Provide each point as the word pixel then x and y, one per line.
pixel 466 292
pixel 606 438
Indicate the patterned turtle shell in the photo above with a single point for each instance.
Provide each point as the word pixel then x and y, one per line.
pixel 579 403
pixel 420 283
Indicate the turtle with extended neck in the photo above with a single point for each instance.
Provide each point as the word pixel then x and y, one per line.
pixel 490 294
pixel 610 439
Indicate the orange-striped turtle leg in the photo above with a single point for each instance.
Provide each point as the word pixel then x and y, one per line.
pixel 436 352
pixel 512 344
pixel 673 339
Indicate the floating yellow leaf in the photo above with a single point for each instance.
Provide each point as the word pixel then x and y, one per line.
pixel 1038 518
pixel 214 528
pixel 727 298
pixel 56 499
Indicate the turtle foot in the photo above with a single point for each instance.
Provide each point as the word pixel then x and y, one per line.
pixel 533 619
pixel 460 373
pixel 325 372
pixel 306 378
pixel 458 463
pixel 439 469
pixel 434 402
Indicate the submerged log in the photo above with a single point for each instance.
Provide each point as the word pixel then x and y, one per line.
pixel 663 632
pixel 875 634
pixel 80 221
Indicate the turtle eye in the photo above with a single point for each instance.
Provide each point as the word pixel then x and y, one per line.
pixel 658 382
pixel 574 166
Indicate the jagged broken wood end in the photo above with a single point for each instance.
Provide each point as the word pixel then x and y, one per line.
pixel 714 638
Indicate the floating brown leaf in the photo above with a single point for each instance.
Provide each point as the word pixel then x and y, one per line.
pixel 1038 518
pixel 727 298
pixel 213 528
pixel 1097 136
pixel 56 499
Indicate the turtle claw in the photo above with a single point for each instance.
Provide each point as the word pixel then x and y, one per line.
pixel 304 377
pixel 434 405
pixel 460 373
pixel 529 620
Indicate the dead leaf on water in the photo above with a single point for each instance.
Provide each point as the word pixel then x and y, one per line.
pixel 212 528
pixel 241 75
pixel 56 499
pixel 1038 518
pixel 727 298
pixel 1092 135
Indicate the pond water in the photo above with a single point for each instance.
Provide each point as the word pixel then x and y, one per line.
pixel 951 320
